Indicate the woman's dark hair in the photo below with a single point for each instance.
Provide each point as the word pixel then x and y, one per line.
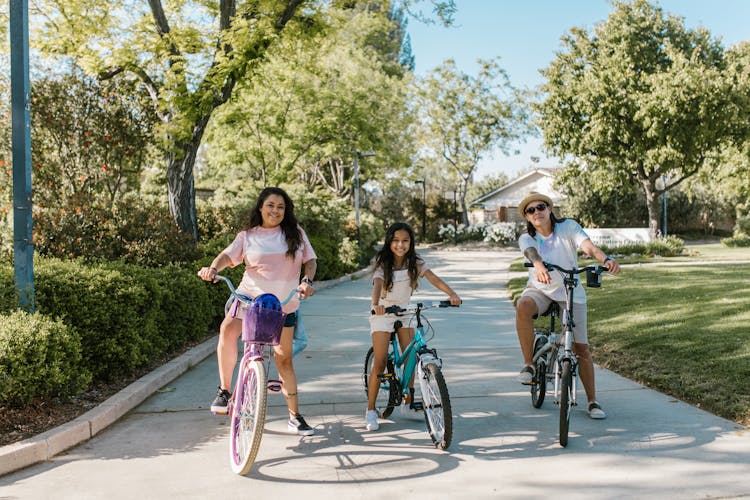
pixel 289 225
pixel 532 231
pixel 384 256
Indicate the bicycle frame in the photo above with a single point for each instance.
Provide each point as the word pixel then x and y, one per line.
pixel 405 361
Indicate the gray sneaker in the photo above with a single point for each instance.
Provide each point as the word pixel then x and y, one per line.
pixel 526 375
pixel 596 412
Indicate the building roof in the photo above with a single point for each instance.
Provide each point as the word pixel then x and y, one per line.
pixel 539 179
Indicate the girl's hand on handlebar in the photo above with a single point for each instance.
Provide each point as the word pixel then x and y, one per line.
pixel 542 275
pixel 455 300
pixel 208 274
pixel 378 310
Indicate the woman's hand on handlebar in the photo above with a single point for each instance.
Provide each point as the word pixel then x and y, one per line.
pixel 611 265
pixel 208 274
pixel 305 290
pixel 542 274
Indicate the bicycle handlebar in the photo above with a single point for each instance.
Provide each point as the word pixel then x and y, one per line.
pixel 550 267
pixel 398 310
pixel 244 299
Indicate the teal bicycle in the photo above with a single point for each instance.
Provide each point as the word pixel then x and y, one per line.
pixel 401 366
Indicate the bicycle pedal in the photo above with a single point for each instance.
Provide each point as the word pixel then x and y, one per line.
pixel 274 385
pixel 384 376
pixel 417 406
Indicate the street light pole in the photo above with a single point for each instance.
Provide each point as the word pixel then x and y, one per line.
pixel 424 206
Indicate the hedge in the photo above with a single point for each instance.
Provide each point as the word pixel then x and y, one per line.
pixel 39 358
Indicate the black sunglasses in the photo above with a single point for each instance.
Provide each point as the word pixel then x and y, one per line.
pixel 541 207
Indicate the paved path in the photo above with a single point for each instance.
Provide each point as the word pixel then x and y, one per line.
pixel 652 446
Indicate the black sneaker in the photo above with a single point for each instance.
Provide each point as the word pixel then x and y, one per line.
pixel 221 402
pixel 298 425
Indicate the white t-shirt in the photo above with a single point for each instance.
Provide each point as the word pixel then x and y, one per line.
pixel 558 248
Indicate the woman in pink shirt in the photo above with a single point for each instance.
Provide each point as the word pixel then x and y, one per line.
pixel 273 248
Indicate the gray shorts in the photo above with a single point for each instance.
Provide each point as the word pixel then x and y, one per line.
pixel 579 313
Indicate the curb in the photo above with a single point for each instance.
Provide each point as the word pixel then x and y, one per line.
pixel 46 445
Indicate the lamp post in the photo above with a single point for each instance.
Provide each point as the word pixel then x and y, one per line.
pixel 664 205
pixel 357 155
pixel 424 206
pixel 448 196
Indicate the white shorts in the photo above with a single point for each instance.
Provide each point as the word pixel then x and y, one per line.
pixel 385 322
pixel 580 331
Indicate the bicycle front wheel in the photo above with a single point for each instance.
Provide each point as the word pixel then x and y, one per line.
pixel 566 399
pixel 389 394
pixel 437 405
pixel 248 417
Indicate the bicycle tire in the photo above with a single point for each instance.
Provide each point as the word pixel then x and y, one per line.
pixel 566 385
pixel 248 417
pixel 437 405
pixel 539 384
pixel 389 394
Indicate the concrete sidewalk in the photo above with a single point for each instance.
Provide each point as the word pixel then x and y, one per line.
pixel 651 446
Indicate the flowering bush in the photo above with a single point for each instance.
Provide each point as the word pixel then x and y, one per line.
pixel 497 232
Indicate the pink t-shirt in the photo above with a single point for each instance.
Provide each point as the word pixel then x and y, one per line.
pixel 268 269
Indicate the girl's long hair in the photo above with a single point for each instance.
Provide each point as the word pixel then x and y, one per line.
pixel 384 257
pixel 289 225
pixel 532 230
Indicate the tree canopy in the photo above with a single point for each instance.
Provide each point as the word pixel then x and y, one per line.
pixel 640 100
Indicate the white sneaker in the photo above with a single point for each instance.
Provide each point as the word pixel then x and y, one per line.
pixel 408 412
pixel 371 420
pixel 596 412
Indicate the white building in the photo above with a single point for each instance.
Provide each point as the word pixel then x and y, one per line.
pixel 501 204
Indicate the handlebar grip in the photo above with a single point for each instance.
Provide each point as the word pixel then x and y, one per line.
pixel 446 303
pixel 393 309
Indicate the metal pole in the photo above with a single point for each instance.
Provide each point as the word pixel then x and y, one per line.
pixel 664 205
pixel 455 219
pixel 356 195
pixel 20 89
pixel 424 209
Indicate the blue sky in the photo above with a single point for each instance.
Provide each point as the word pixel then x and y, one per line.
pixel 525 34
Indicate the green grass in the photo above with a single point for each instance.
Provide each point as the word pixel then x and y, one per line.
pixel 684 331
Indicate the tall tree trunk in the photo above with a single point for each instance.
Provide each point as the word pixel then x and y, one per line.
pixel 181 180
pixel 652 204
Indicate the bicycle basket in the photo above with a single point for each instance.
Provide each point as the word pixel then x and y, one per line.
pixel 263 320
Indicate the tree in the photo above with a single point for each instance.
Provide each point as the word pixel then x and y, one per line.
pixel 189 58
pixel 311 106
pixel 465 117
pixel 639 101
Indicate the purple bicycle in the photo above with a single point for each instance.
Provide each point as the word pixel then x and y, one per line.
pixel 262 321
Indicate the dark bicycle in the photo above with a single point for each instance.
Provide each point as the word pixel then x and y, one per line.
pixel 553 358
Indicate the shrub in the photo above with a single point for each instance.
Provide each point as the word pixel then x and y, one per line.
pixel 625 249
pixel 131 230
pixel 39 358
pixel 666 247
pixel 330 264
pixel 498 232
pixel 736 241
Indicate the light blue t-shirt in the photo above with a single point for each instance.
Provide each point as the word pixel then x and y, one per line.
pixel 558 248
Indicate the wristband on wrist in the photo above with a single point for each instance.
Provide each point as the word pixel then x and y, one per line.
pixel 212 268
pixel 607 258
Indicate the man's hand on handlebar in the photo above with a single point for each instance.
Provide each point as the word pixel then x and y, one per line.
pixel 542 274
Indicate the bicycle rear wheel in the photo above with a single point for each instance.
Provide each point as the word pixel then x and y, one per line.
pixel 566 399
pixel 389 395
pixel 248 416
pixel 437 405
